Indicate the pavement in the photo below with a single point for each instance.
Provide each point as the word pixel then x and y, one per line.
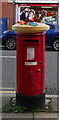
pixel 36 115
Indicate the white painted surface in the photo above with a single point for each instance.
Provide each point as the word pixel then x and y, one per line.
pixel 16 13
pixel 58 15
pixel 37 1
pixel 30 63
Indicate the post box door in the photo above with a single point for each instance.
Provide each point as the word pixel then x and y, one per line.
pixel 33 67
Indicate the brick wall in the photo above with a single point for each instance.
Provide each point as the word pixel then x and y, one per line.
pixel 8 10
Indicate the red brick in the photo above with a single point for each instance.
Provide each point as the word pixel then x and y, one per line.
pixel 7 11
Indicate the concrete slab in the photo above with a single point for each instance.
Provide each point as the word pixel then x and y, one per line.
pixel 58 116
pixel 58 105
pixel 0 116
pixel 5 101
pixel 0 101
pixel 6 98
pixel 45 115
pixel 18 115
pixel 51 96
pixel 54 104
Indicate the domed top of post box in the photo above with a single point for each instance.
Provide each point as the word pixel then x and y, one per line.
pixel 41 27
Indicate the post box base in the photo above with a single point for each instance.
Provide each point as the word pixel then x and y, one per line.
pixel 30 102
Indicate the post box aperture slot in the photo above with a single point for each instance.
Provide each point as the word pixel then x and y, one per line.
pixel 30 41
pixel 30 53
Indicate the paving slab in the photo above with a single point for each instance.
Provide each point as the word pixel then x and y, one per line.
pixel 30 119
pixel 6 98
pixel 45 115
pixel 58 105
pixel 55 104
pixel 30 116
pixel 52 96
pixel 0 101
pixel 0 116
pixel 58 116
pixel 18 115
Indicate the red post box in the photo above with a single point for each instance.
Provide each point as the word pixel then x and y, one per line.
pixel 30 69
pixel 30 64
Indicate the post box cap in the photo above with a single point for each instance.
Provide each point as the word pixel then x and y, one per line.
pixel 41 27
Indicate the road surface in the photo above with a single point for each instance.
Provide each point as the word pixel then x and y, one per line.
pixel 8 65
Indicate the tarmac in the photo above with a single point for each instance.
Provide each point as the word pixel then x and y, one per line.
pixel 32 116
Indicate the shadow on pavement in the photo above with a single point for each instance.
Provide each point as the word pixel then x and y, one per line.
pixel 4 48
pixel 50 49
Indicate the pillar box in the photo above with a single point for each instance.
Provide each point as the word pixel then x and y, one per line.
pixel 30 90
